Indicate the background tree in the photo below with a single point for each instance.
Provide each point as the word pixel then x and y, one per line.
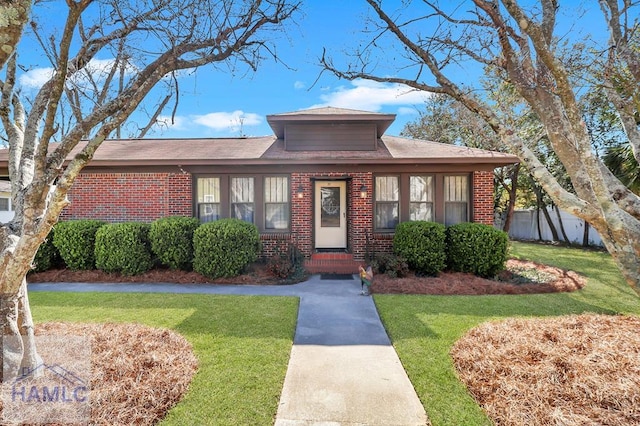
pixel 106 57
pixel 524 47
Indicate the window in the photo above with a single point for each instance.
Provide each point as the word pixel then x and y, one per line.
pixel 209 208
pixel 421 198
pixel 387 195
pixel 242 194
pixel 456 195
pixel 5 205
pixel 276 203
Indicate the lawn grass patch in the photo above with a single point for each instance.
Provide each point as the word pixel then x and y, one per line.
pixel 423 329
pixel 242 344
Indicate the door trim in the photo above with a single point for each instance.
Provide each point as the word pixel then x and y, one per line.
pixel 330 235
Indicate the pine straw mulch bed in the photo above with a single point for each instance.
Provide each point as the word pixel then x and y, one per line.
pixel 520 277
pixel 571 370
pixel 138 373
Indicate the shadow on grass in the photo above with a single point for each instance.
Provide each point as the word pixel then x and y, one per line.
pixel 234 316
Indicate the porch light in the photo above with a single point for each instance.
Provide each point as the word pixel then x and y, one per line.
pixel 363 191
pixel 300 191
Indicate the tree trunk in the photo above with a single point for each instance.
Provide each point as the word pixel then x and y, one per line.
pixel 19 354
pixel 585 235
pixel 513 189
pixel 564 234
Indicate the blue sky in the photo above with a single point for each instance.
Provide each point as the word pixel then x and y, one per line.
pixel 214 103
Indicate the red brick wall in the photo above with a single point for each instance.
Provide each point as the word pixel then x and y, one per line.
pixel 122 197
pixel 483 198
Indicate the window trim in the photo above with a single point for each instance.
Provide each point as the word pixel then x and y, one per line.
pixel 287 204
pixel 398 202
pixel 258 197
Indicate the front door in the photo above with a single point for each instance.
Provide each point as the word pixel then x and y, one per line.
pixel 331 214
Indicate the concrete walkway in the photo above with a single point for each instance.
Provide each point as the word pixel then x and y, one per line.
pixel 342 370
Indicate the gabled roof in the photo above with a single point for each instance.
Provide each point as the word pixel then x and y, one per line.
pixel 329 114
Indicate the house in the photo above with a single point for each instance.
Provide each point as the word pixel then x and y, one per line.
pixel 6 209
pixel 328 181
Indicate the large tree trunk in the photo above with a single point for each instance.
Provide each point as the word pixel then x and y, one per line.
pixel 19 354
pixel 513 193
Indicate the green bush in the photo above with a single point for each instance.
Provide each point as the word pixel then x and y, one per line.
pixel 287 264
pixel 390 264
pixel 224 248
pixel 422 244
pixel 75 241
pixel 172 241
pixel 47 256
pixel 477 249
pixel 124 248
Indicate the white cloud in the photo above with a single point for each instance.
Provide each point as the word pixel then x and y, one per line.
pixel 99 68
pixel 407 110
pixel 228 120
pixel 298 85
pixel 178 122
pixel 34 79
pixel 371 96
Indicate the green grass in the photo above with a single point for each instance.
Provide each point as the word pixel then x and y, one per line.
pixel 424 328
pixel 242 344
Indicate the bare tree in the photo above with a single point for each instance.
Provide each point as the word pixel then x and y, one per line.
pixel 85 99
pixel 522 45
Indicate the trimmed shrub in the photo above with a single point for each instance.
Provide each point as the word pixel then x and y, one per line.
pixel 390 264
pixel 477 249
pixel 172 241
pixel 288 264
pixel 47 256
pixel 422 244
pixel 124 248
pixel 224 248
pixel 75 241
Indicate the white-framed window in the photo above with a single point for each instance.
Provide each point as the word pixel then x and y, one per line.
pixel 387 202
pixel 421 198
pixel 276 203
pixel 209 207
pixel 242 198
pixel 456 199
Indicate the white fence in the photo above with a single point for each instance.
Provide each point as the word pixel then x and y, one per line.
pixel 524 226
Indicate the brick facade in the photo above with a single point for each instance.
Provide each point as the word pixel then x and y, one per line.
pixel 483 198
pixel 120 197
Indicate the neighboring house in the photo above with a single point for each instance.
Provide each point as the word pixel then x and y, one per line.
pixel 328 181
pixel 6 208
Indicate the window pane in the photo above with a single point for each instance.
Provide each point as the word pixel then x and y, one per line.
pixel 242 211
pixel 421 211
pixel 421 188
pixel 208 190
pixel 387 188
pixel 242 190
pixel 386 215
pixel 455 213
pixel 456 188
pixel 276 190
pixel 330 207
pixel 4 204
pixel 209 212
pixel 276 216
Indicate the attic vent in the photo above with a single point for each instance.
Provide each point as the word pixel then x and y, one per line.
pixel 330 137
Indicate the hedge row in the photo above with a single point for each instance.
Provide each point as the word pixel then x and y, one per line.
pixel 217 249
pixel 430 248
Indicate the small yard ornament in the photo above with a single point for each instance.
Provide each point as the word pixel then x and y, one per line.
pixel 366 278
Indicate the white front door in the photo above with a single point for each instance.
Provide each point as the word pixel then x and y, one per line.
pixel 331 214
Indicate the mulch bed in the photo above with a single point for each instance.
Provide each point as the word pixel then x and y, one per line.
pixel 137 372
pixel 571 370
pixel 540 279
pixel 520 277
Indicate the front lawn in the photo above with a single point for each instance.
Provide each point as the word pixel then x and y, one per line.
pixel 242 344
pixel 424 328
